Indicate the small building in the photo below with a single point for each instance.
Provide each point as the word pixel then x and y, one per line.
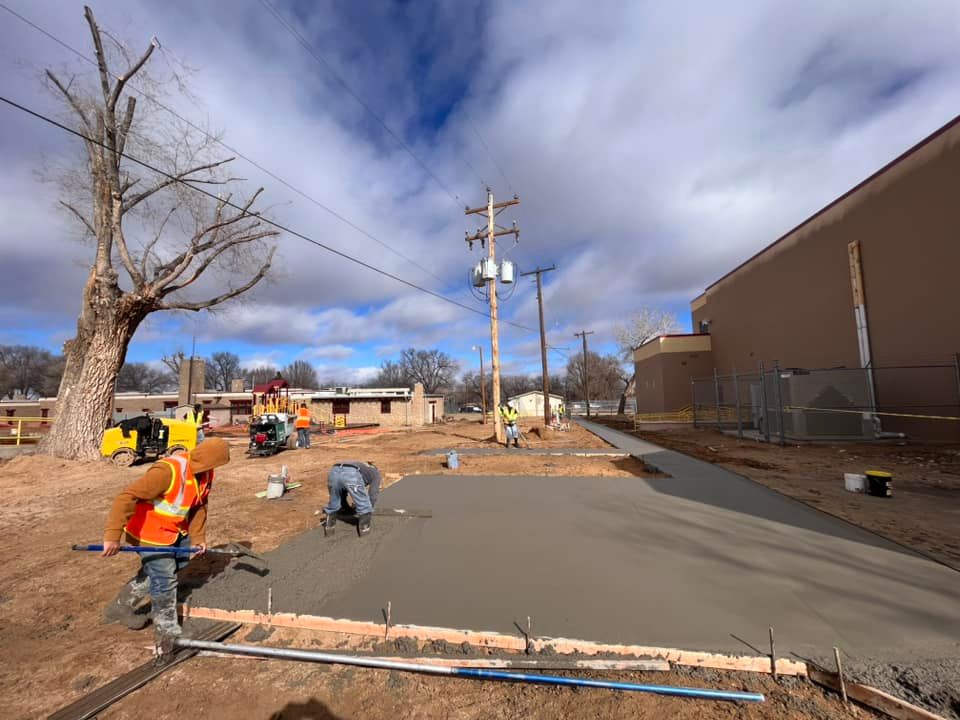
pixel 530 404
pixel 664 367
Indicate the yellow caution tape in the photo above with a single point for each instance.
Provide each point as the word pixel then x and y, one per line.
pixel 871 412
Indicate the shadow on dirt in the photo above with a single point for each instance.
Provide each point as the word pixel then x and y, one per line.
pixel 312 709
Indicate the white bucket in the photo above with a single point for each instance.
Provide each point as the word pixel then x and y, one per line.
pixel 854 482
pixel 275 487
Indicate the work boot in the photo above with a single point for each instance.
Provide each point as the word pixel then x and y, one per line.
pixel 165 623
pixel 129 607
pixel 330 524
pixel 516 442
pixel 363 523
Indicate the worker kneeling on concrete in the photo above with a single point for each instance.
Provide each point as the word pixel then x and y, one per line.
pixel 510 417
pixel 166 507
pixel 359 480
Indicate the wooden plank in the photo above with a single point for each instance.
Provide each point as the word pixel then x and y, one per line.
pixel 106 695
pixel 873 697
pixel 499 641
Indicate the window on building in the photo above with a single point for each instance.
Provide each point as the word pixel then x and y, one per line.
pixel 384 407
pixel 341 407
pixel 11 413
pixel 45 412
pixel 241 407
pixel 167 404
pixel 119 410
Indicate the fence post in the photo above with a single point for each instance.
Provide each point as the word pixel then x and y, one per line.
pixel 716 395
pixel 19 430
pixel 693 399
pixel 764 418
pixel 776 369
pixel 956 370
pixel 736 395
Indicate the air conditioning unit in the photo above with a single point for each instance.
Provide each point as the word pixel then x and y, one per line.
pixel 507 271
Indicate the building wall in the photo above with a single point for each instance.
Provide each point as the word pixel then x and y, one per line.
pixel 664 368
pixel 793 301
pixel 531 404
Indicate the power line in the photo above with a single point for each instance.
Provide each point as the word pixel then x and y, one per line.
pixel 306 45
pixel 245 213
pixel 223 144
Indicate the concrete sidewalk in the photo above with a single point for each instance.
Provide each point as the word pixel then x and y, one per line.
pixel 558 452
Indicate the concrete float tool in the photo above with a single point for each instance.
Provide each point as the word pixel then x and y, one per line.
pixel 231 550
pixel 476 673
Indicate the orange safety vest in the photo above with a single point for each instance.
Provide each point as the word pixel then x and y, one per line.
pixel 303 419
pixel 164 519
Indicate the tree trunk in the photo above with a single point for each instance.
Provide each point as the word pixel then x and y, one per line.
pixel 622 407
pixel 93 361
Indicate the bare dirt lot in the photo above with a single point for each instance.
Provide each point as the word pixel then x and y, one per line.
pixel 924 512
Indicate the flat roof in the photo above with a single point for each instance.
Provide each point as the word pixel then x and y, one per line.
pixel 900 158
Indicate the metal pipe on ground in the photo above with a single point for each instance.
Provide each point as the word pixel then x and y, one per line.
pixel 476 673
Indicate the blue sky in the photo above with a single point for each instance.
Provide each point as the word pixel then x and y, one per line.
pixel 654 148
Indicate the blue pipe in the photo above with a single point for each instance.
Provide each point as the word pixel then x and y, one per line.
pixel 143 549
pixel 359 660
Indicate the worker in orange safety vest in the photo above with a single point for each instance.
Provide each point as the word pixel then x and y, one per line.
pixel 302 425
pixel 165 507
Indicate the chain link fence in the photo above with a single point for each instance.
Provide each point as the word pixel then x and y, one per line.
pixel 781 404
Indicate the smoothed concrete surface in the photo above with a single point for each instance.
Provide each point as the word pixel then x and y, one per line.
pixel 670 562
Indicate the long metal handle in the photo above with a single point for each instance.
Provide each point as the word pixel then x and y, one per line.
pixel 143 549
pixel 482 674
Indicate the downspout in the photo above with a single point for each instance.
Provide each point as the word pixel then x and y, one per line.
pixel 863 335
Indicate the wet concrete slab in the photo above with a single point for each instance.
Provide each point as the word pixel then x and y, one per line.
pixel 674 561
pixel 558 452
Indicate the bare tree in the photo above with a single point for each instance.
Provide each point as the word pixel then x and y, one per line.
pixel 641 327
pixel 158 244
pixel 391 375
pixel 220 369
pixel 259 375
pixel 301 374
pixel 434 369
pixel 605 376
pixel 140 377
pixel 26 370
pixel 173 361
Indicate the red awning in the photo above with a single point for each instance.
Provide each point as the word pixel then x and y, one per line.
pixel 276 384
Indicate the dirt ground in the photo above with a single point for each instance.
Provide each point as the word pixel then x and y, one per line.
pixel 924 512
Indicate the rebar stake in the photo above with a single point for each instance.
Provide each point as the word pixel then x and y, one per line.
pixel 386 630
pixel 269 601
pixel 843 685
pixel 773 656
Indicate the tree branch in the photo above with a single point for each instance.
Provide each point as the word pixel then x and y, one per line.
pixel 209 259
pixel 125 125
pixel 166 182
pixel 101 56
pixel 80 217
pixel 156 238
pixel 225 296
pixel 74 103
pixel 122 79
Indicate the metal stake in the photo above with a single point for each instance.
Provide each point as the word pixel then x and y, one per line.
pixel 386 630
pixel 529 648
pixel 843 685
pixel 773 656
pixel 269 601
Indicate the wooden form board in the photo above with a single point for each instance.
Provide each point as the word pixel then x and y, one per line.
pixel 872 697
pixel 499 641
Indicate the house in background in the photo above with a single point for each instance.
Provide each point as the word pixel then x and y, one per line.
pixel 530 404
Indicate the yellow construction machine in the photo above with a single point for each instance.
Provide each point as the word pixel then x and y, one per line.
pixel 144 437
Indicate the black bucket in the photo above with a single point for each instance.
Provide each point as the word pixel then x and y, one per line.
pixel 879 483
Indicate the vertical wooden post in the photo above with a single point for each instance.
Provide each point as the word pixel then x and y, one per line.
pixel 19 430
pixel 494 320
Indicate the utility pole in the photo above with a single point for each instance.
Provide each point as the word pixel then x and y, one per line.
pixel 489 238
pixel 543 342
pixel 586 376
pixel 483 385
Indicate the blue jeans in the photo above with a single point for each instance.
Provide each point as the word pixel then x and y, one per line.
pixel 347 478
pixel 512 431
pixel 303 437
pixel 161 572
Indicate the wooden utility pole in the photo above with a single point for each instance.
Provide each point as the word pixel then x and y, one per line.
pixel 543 342
pixel 586 376
pixel 489 237
pixel 483 385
